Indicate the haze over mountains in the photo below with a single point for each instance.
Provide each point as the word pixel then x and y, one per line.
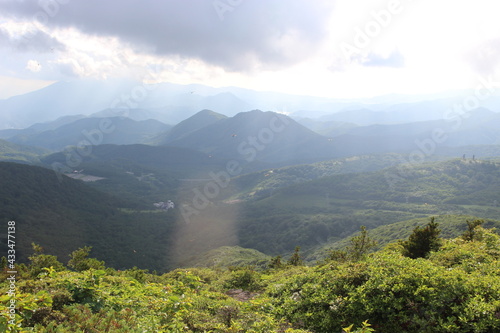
pixel 172 103
pixel 218 121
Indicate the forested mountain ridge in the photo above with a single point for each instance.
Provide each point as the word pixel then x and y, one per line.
pixel 42 203
pixel 444 182
pixel 62 214
pixel 12 152
pixel 329 209
pixel 263 183
pixel 142 173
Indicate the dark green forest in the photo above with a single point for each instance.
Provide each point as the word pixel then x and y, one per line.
pixel 64 214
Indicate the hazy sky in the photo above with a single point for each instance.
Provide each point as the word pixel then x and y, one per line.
pixel 343 48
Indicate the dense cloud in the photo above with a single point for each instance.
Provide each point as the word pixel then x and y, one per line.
pixel 234 34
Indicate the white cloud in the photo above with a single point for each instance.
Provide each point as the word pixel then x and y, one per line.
pixel 426 47
pixel 33 66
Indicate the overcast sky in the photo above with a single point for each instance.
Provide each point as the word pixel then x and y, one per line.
pixel 339 49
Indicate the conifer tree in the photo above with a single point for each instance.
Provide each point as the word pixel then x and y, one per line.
pixel 422 241
pixel 470 234
pixel 295 259
pixel 276 262
pixel 360 245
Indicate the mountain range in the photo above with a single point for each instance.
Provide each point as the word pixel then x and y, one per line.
pixel 91 131
pixel 266 139
pixel 171 103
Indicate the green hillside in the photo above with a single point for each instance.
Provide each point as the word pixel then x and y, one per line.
pixel 141 173
pixel 11 152
pixel 227 256
pixel 451 226
pixel 331 208
pixel 261 184
pixel 62 214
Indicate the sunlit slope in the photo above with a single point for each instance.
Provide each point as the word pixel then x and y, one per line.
pixel 451 226
pixel 331 208
pixel 12 152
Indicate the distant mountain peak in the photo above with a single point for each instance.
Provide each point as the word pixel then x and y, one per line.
pixel 255 113
pixel 207 112
pixel 197 121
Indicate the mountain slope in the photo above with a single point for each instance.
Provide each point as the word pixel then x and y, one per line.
pixel 188 126
pixel 39 127
pixel 137 114
pixel 43 206
pixel 62 214
pixel 261 184
pixel 477 127
pixel 399 113
pixel 259 136
pixel 166 102
pixel 11 152
pixel 173 103
pixel 331 208
pixel 157 157
pixel 327 128
pixel 248 137
pixel 451 226
pixel 231 256
pixel 144 174
pixel 94 131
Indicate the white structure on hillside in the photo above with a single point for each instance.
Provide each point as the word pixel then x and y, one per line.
pixel 165 205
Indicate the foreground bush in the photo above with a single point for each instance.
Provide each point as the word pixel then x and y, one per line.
pixel 399 294
pixel 453 289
